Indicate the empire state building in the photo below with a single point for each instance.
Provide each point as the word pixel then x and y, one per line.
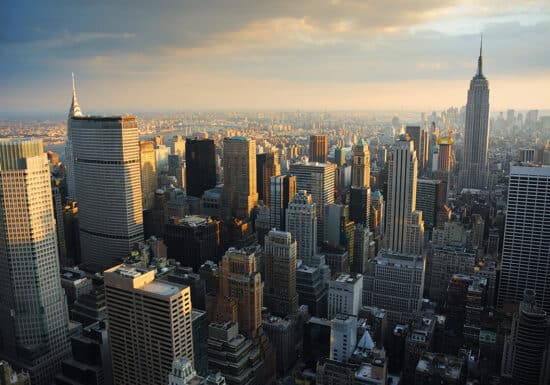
pixel 474 172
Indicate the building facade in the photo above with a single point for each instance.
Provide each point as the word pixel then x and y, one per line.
pixel 148 165
pixel 474 171
pixel 318 180
pixel 526 247
pixel 200 162
pixel 318 148
pixel 240 193
pixel 33 309
pixel 108 185
pixel 301 222
pixel 143 312
pixel 280 258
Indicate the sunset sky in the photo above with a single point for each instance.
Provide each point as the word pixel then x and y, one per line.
pixel 143 55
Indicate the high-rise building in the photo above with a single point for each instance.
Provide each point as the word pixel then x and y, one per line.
pixel 431 195
pixel 232 354
pixel 339 156
pixel 301 222
pixel 90 363
pixel 364 248
pixel 345 294
pixel 240 193
pixel 360 184
pixel 192 240
pixel 401 202
pixel 280 254
pixel 108 186
pixel 360 204
pixel 419 136
pixel 148 164
pixel 283 189
pixel 33 311
pixel 312 285
pixel 176 168
pixel 474 170
pixel 445 157
pixel 177 145
pixel 526 247
pixel 240 294
pixel 526 356
pixel 74 111
pixel 318 148
pixel 343 336
pixel 318 180
pixel 200 162
pixel 267 166
pixel 360 169
pixel 142 313
pixel 339 229
pixel 395 282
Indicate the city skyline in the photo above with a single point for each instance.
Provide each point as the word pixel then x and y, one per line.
pixel 332 55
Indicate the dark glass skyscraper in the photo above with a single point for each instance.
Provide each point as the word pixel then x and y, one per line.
pixel 474 171
pixel 200 173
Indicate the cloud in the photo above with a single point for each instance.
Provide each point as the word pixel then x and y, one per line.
pixel 78 38
pixel 204 46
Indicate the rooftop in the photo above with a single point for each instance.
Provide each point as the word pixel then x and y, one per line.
pixel 392 258
pixel 161 288
pixel 113 118
pixel 533 171
pixel 347 278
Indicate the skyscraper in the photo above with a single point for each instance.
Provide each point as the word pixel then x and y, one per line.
pixel 318 180
pixel 526 353
pixel 343 336
pixel 526 247
pixel 431 195
pixel 445 158
pixel 267 166
pixel 108 185
pixel 148 164
pixel 193 240
pixel 283 189
pixel 33 311
pixel 419 136
pixel 360 169
pixel 240 193
pixel 150 325
pixel 74 111
pixel 280 273
pixel 345 294
pixel 301 222
pixel 360 194
pixel 240 292
pixel 395 282
pixel 474 171
pixel 318 148
pixel 200 171
pixel 401 202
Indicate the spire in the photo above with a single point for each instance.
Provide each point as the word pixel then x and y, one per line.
pixel 480 59
pixel 75 107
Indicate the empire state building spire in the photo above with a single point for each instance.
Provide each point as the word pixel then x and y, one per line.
pixel 480 59
pixel 75 107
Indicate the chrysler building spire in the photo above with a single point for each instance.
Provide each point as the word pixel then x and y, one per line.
pixel 75 107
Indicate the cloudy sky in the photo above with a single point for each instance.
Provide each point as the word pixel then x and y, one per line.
pixel 143 55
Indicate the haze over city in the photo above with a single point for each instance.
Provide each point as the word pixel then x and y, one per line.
pixel 134 56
